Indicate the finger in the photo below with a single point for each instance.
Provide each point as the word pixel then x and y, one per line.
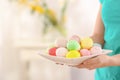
pixel 80 66
pixel 91 61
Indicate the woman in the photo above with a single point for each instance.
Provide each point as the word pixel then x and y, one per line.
pixel 106 33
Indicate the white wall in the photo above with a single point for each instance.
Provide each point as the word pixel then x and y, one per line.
pixel 81 19
pixel 10 59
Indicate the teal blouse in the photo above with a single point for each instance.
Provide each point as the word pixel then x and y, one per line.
pixel 111 18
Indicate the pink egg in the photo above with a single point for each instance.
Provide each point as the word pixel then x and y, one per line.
pixel 60 42
pixel 96 50
pixel 85 52
pixel 75 37
pixel 61 52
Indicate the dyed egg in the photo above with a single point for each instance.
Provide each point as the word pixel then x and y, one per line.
pixel 52 51
pixel 96 50
pixel 85 52
pixel 73 45
pixel 60 42
pixel 86 43
pixel 75 37
pixel 61 52
pixel 73 54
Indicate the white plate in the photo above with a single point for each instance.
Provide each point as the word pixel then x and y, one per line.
pixel 74 61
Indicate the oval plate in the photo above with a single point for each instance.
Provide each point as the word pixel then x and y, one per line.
pixel 73 61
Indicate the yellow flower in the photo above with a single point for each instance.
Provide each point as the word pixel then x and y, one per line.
pixel 52 16
pixel 23 1
pixel 36 8
pixel 39 9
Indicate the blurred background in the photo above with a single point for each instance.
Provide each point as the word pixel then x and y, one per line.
pixel 28 26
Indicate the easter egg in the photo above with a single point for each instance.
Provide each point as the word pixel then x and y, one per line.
pixel 60 42
pixel 96 50
pixel 85 52
pixel 75 37
pixel 73 54
pixel 86 43
pixel 61 52
pixel 73 45
pixel 52 51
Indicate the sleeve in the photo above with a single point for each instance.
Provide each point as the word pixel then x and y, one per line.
pixel 101 1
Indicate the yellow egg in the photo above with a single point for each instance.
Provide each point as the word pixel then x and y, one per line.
pixel 73 54
pixel 86 43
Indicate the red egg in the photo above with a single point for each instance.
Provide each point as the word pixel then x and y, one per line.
pixel 52 51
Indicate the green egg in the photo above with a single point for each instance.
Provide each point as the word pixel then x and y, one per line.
pixel 73 45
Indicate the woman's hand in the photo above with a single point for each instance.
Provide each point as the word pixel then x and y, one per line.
pixel 96 62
